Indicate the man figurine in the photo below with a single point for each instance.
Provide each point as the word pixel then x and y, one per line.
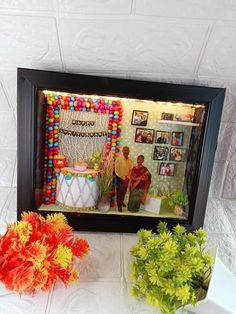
pixel 123 166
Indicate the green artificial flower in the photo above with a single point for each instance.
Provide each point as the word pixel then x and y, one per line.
pixel 183 294
pixel 170 268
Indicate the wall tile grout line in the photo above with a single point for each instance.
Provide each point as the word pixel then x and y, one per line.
pixel 57 19
pixel 203 49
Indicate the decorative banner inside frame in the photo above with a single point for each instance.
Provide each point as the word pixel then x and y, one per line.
pixel 83 123
pixel 55 103
pixel 82 134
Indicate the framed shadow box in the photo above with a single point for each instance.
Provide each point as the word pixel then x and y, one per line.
pixel 78 147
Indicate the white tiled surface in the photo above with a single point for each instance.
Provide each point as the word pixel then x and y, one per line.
pixel 188 42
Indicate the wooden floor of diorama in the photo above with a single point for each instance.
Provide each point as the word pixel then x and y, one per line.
pixel 112 211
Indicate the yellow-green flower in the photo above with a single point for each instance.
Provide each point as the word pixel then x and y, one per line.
pixel 142 252
pixel 179 230
pixel 183 294
pixel 170 247
pixel 154 277
pixel 165 236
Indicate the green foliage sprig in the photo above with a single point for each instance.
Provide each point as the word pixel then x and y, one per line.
pixel 105 178
pixel 169 269
pixel 97 158
pixel 178 198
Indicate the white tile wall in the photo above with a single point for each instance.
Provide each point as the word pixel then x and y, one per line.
pixel 29 43
pixel 13 304
pixel 7 162
pixel 207 9
pixel 188 42
pixel 100 7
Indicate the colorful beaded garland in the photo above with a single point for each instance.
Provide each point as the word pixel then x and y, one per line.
pixel 54 103
pixel 68 175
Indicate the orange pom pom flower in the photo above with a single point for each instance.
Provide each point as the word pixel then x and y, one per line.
pixel 36 251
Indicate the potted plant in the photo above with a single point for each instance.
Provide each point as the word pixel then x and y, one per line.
pixel 172 270
pixel 105 181
pixel 178 200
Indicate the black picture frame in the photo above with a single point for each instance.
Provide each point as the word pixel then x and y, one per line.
pixel 139 118
pixel 163 137
pixel 31 83
pixel 177 139
pixel 144 136
pixel 177 154
pixel 161 153
pixel 167 116
pixel 167 169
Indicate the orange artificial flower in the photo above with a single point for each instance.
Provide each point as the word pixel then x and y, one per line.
pixel 35 251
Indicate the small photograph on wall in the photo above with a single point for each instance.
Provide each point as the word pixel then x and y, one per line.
pixel 167 116
pixel 162 137
pixel 177 154
pixel 144 136
pixel 167 169
pixel 160 153
pixel 177 139
pixel 139 118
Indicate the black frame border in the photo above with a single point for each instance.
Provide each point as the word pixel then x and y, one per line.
pixel 30 82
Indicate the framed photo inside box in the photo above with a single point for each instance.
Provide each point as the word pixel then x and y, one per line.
pixel 177 154
pixel 167 116
pixel 76 148
pixel 160 153
pixel 139 118
pixel 163 137
pixel 167 169
pixel 177 139
pixel 144 136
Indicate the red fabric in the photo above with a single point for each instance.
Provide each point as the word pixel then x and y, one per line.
pixel 140 179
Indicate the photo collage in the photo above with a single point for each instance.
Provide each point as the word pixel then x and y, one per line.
pixel 169 146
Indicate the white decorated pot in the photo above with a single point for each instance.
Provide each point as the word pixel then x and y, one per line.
pixel 77 192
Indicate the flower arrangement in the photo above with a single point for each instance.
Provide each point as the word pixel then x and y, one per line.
pixel 170 269
pixel 36 251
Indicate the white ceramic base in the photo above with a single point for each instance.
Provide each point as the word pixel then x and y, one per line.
pixel 221 294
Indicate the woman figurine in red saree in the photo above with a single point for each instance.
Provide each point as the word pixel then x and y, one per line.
pixel 140 181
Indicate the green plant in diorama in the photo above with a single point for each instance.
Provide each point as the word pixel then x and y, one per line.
pixel 105 182
pixel 170 269
pixel 97 159
pixel 178 200
pixel 156 192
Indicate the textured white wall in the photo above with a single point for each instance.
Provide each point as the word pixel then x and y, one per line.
pixel 171 41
